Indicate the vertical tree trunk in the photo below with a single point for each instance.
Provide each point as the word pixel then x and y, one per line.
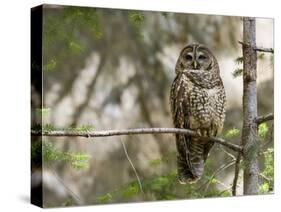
pixel 249 131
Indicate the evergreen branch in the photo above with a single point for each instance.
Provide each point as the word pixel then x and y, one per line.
pixel 270 139
pixel 258 120
pixel 256 48
pixel 105 133
pixel 261 119
pixel 237 72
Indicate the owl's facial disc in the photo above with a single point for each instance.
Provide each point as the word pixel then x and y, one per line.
pixel 196 58
pixel 204 60
pixel 191 61
pixel 188 59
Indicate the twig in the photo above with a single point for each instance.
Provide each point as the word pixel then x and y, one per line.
pixel 265 177
pixel 104 133
pixel 228 153
pixel 220 169
pixel 222 184
pixel 256 48
pixel 261 119
pixel 261 49
pixel 126 153
pixel 227 189
pixel 236 174
pixel 71 193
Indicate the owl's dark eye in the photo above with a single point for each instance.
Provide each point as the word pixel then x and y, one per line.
pixel 188 57
pixel 202 57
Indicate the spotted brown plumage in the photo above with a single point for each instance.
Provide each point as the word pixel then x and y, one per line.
pixel 198 102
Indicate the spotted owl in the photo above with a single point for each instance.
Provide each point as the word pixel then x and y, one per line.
pixel 198 103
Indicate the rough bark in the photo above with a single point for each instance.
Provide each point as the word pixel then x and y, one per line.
pixel 249 131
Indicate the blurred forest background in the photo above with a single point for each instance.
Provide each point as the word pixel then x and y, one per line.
pixel 112 69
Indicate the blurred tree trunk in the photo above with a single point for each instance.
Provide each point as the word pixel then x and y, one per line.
pixel 249 131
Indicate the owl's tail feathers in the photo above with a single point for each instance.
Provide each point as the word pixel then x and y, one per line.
pixel 191 167
pixel 184 173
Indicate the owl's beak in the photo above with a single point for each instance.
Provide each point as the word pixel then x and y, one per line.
pixel 195 64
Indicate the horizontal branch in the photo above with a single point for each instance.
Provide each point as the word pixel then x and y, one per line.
pixel 256 48
pixel 262 49
pixel 261 119
pixel 105 133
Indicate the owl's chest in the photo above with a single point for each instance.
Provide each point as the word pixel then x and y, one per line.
pixel 199 97
pixel 204 106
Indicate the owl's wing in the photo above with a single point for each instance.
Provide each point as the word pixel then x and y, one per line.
pixel 180 110
pixel 180 106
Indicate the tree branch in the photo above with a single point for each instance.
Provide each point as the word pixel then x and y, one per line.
pixel 236 174
pixel 261 119
pixel 105 133
pixel 262 49
pixel 256 48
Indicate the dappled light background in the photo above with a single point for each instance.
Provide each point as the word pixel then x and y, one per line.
pixel 112 69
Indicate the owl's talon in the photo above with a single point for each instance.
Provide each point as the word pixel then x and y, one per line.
pixel 204 132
